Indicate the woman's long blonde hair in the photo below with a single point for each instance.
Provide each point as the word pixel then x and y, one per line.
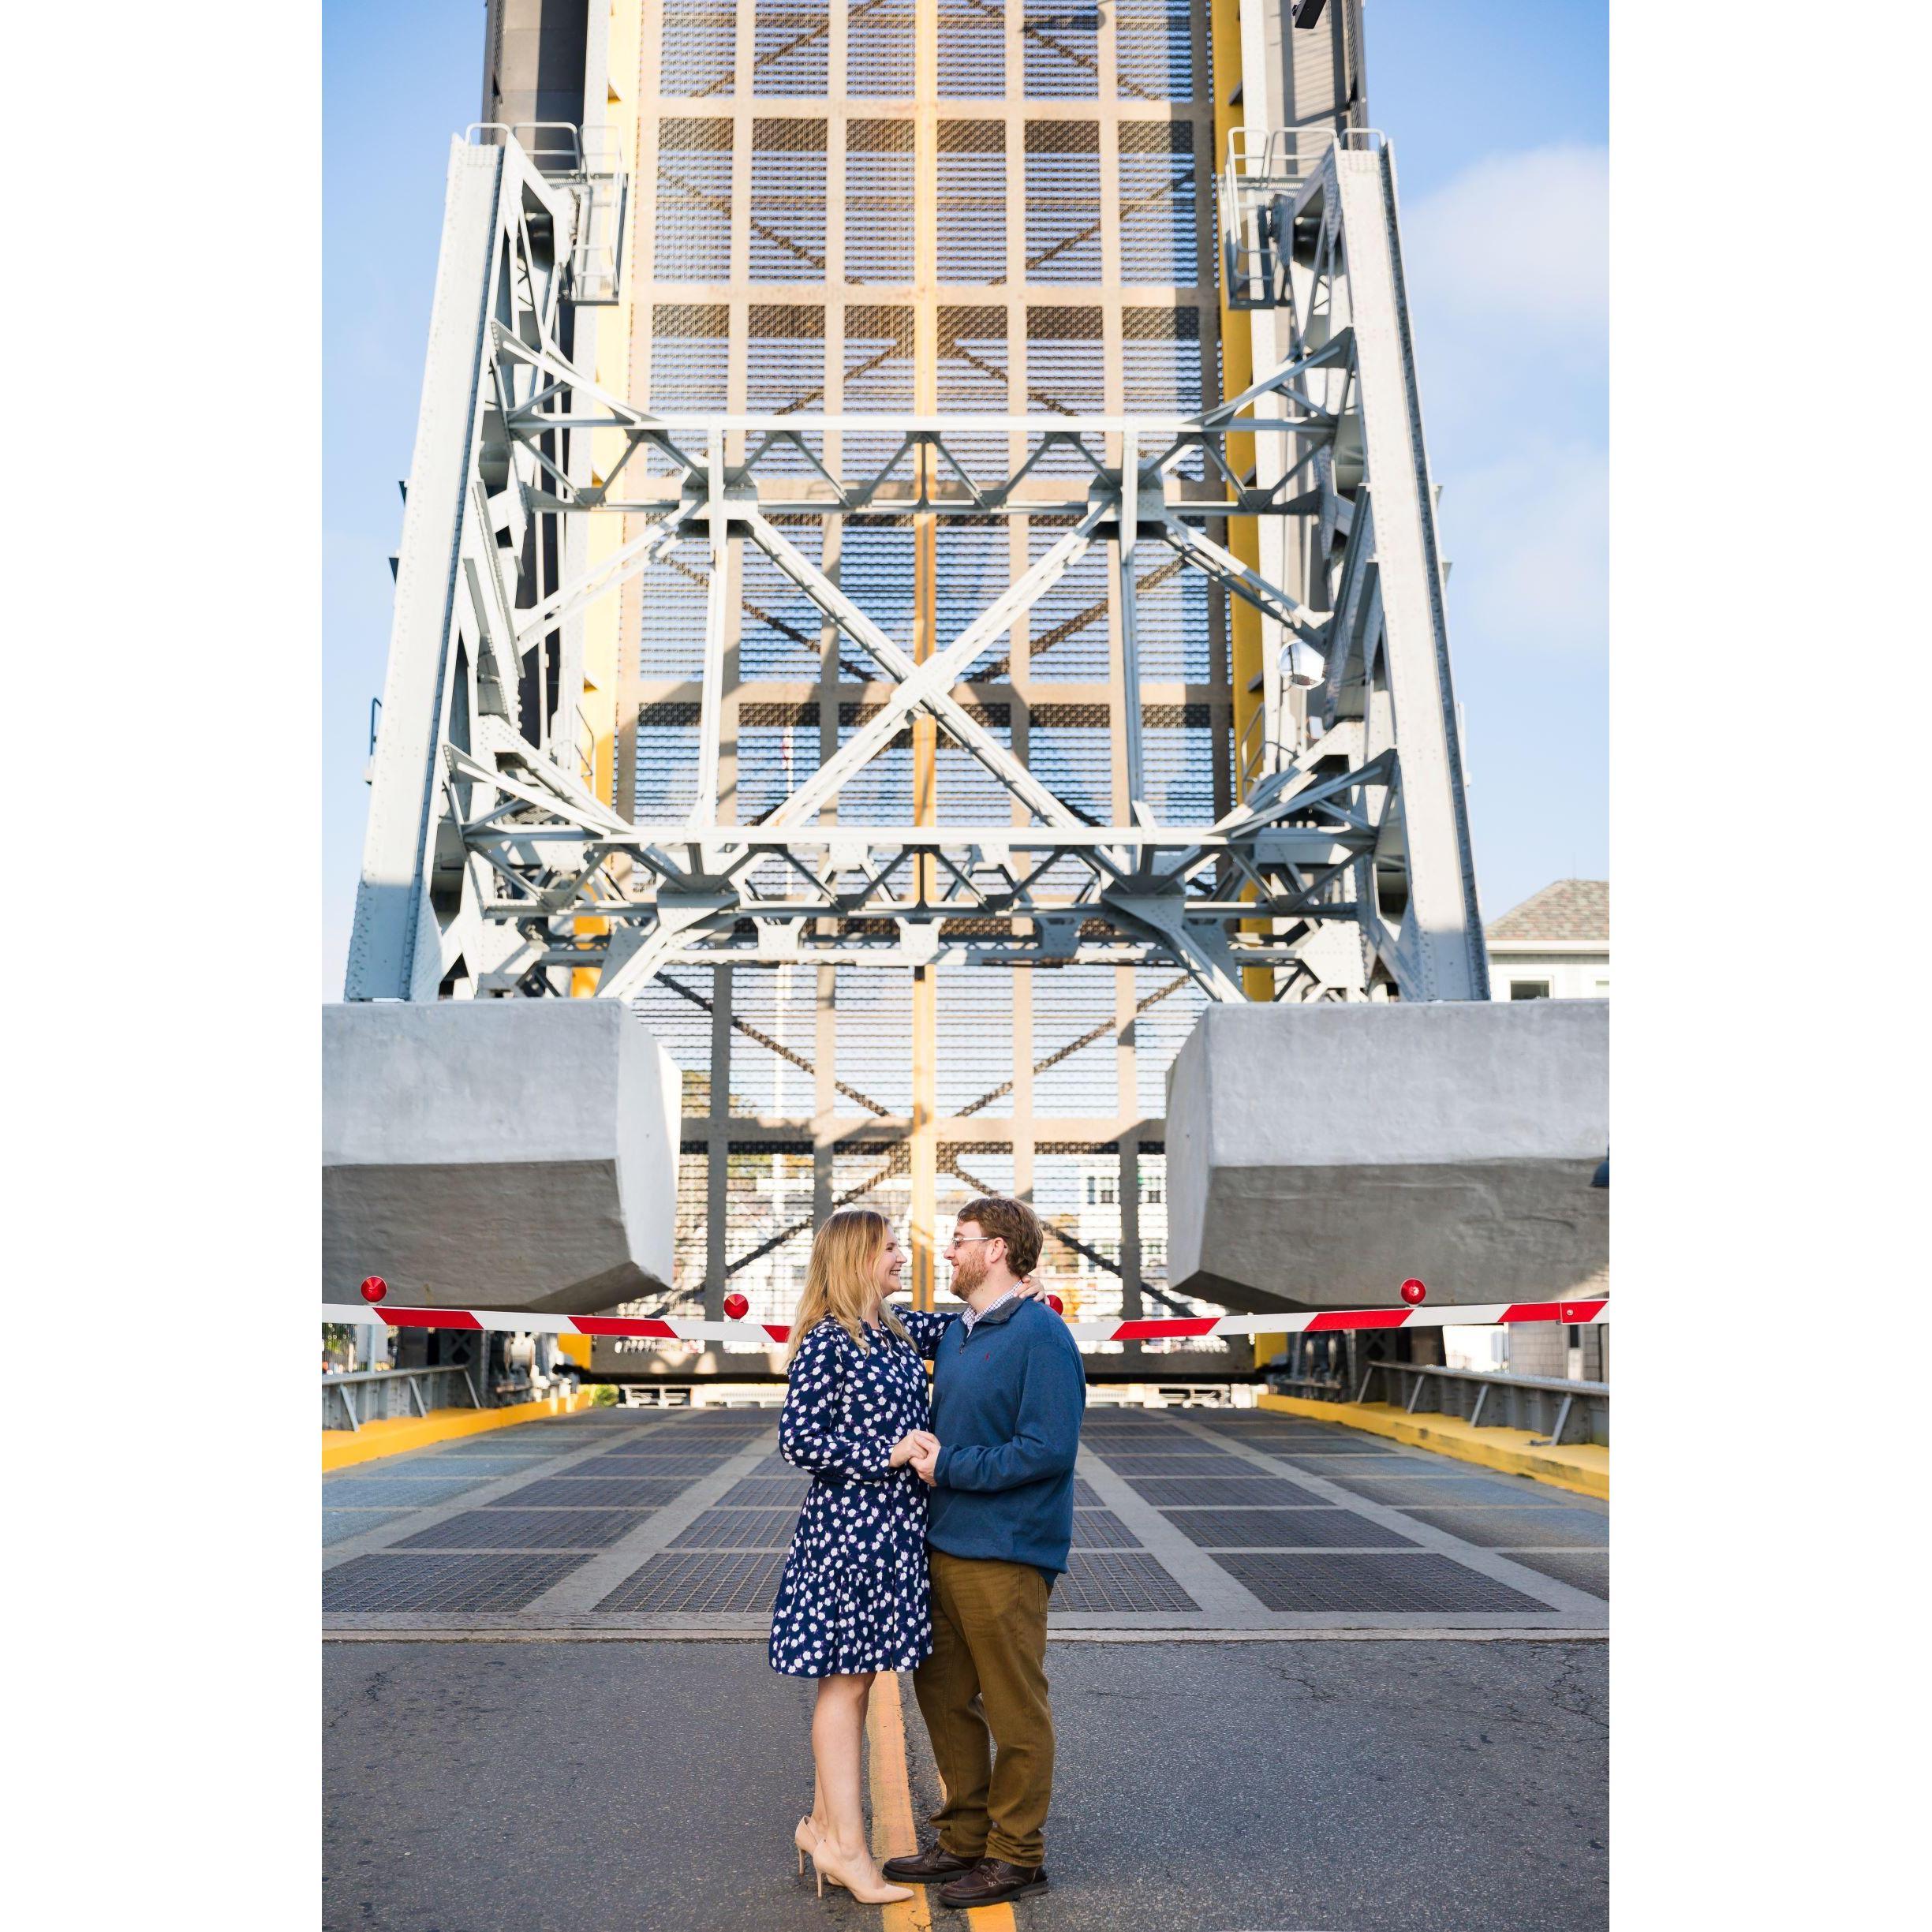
pixel 842 1280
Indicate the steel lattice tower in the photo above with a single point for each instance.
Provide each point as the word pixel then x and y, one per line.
pixel 888 591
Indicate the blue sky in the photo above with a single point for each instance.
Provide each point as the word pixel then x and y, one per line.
pixel 1499 118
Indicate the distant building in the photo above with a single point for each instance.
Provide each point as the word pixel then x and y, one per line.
pixel 1556 945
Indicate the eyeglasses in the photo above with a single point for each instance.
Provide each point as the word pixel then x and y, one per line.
pixel 960 1241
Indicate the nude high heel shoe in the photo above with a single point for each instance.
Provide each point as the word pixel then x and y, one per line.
pixel 827 1863
pixel 804 1835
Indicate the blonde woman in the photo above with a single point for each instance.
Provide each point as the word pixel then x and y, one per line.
pixel 854 1599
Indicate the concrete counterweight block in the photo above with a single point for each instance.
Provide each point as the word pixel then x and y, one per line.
pixel 1320 1156
pixel 501 1153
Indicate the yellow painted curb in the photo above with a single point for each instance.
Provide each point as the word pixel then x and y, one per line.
pixel 397 1434
pixel 1583 1467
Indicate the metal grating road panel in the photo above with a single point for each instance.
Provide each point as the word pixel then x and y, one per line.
pixel 1192 1492
pixel 1111 1580
pixel 1437 1491
pixel 1207 1463
pixel 527 1529
pixel 339 1525
pixel 765 1492
pixel 1311 1455
pixel 1101 1529
pixel 442 1583
pixel 393 1492
pixel 642 1463
pixel 483 1468
pixel 1422 1583
pixel 1285 1529
pixel 1085 1496
pixel 1582 1569
pixel 704 1581
pixel 739 1529
pixel 563 1493
pixel 1522 1528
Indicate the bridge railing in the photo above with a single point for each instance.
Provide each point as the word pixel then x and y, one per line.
pixel 1556 1410
pixel 374 1395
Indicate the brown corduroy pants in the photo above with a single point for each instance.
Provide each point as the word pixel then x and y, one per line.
pixel 985 1684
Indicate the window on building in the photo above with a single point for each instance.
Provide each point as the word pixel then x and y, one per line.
pixel 1529 989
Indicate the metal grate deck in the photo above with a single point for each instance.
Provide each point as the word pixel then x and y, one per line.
pixel 1210 1493
pixel 641 1462
pixel 480 1468
pixel 527 1529
pixel 1425 1582
pixel 703 1581
pixel 1523 1527
pixel 765 1492
pixel 1285 1529
pixel 1209 1463
pixel 442 1583
pixel 1101 1529
pixel 1313 1455
pixel 1436 1492
pixel 394 1492
pixel 1116 1580
pixel 339 1525
pixel 580 1492
pixel 738 1529
pixel 1582 1569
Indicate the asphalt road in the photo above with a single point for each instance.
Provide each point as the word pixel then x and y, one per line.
pixel 1268 1787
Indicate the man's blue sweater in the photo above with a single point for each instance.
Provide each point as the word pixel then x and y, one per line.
pixel 1006 1404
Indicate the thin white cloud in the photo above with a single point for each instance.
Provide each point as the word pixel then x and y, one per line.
pixel 1518 242
pixel 1527 536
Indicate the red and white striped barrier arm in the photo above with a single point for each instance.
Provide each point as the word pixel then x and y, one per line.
pixel 752 1336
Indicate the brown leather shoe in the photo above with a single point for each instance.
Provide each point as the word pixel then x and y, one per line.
pixel 934 1862
pixel 991 1880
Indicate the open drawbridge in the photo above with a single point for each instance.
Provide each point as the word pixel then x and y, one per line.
pixel 1342 866
pixel 905 631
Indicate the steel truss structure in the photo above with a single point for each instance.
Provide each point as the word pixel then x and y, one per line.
pixel 1350 814
pixel 942 789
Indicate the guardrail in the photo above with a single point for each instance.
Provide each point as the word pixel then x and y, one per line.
pixel 381 1393
pixel 1540 1403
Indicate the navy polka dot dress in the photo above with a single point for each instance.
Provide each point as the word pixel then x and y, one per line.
pixel 853 1598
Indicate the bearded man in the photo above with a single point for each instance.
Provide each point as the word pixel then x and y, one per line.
pixel 1008 1392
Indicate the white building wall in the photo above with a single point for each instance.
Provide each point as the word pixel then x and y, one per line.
pixel 1569 974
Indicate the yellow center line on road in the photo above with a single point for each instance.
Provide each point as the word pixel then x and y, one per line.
pixel 894 1834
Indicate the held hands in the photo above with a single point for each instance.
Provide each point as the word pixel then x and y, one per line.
pixel 909 1446
pixel 926 1458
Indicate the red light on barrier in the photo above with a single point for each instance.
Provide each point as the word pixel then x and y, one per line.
pixel 374 1287
pixel 1413 1293
pixel 1055 1303
pixel 736 1307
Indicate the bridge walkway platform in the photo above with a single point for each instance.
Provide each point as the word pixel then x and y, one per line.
pixel 1302 1677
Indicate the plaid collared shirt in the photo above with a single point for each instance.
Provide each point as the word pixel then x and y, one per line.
pixel 972 1315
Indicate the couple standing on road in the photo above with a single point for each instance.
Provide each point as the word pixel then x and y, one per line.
pixel 936 1525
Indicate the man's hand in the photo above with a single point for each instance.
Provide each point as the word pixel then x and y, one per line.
pixel 924 1459
pixel 909 1446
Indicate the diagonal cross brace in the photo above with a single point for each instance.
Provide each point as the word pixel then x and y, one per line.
pixel 1235 578
pixel 925 684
